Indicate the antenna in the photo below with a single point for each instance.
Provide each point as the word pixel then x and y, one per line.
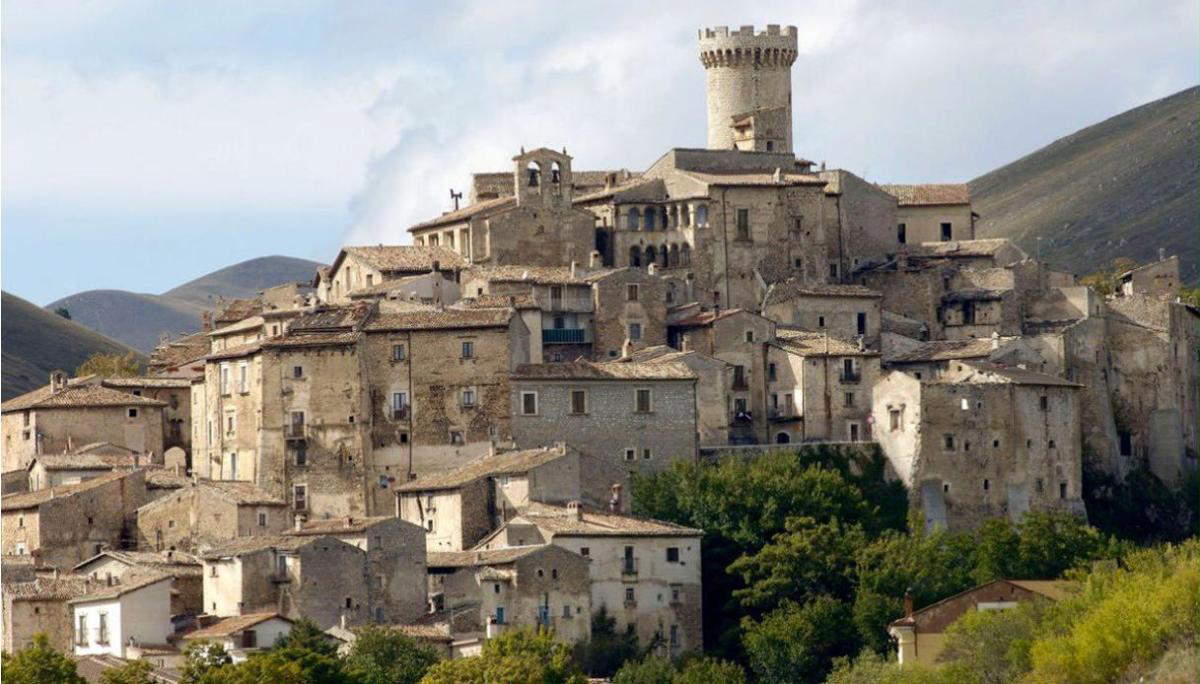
pixel 456 196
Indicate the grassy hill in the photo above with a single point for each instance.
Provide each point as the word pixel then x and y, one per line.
pixel 37 341
pixel 138 320
pixel 1123 187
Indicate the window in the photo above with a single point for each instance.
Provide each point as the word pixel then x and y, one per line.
pixel 578 401
pixel 585 552
pixel 1040 485
pixel 646 454
pixel 1062 490
pixel 631 293
pixel 948 441
pixel 749 335
pixel 674 636
pixel 1125 440
pixel 946 488
pixel 429 524
pixel 635 332
pixel 456 437
pixel 772 372
pixel 946 232
pixel 102 633
pixel 133 413
pixel 739 377
pixel 262 519
pixel 672 554
pixel 230 424
pixel 500 615
pixel 297 371
pixel 630 454
pixel 1051 444
pixel 1044 403
pixel 820 321
pixel 233 465
pixel 81 631
pixel 862 323
pixel 833 271
pixel 630 597
pixel 966 404
pixel 300 497
pixel 224 379
pixel 243 378
pixel 743 224
pixel 529 403
pixel 468 396
pixel 849 399
pixel 349 602
pixel 468 349
pixel 566 611
pixel 398 352
pixel 675 593
pixel 894 419
pixel 300 453
pixel 902 233
pixel 642 401
pixel 399 405
pixel 702 215
pixel 986 485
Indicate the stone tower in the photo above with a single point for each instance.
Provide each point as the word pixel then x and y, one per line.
pixel 749 87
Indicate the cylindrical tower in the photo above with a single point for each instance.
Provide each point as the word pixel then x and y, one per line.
pixel 749 87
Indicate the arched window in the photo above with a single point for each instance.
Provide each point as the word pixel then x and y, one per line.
pixel 783 438
pixel 674 259
pixel 635 256
pixel 663 256
pixel 702 215
pixel 648 218
pixel 685 255
pixel 651 255
pixel 635 217
pixel 533 172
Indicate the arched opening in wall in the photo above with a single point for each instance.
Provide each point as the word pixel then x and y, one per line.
pixel 663 256
pixel 783 438
pixel 663 221
pixel 673 217
pixel 685 216
pixel 533 174
pixel 651 255
pixel 702 215
pixel 685 255
pixel 648 218
pixel 674 258
pixel 635 257
pixel 671 288
pixel 555 173
pixel 634 218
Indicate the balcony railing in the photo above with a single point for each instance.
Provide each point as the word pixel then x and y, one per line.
pixel 565 336
pixel 850 378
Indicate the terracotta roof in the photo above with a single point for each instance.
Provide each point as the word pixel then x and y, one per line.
pixel 177 564
pixel 76 396
pixel 586 370
pixel 245 545
pixel 82 461
pixel 808 343
pixel 241 492
pixel 130 582
pixel 991 372
pixel 539 275
pixel 343 525
pixel 444 319
pixel 61 588
pixel 488 301
pixel 1052 589
pixel 704 318
pixel 661 353
pixel 232 625
pixel 945 350
pixel 331 318
pixel 753 179
pixel 959 248
pixel 478 209
pixel 23 500
pixel 236 351
pixel 239 326
pixel 466 559
pixel 630 187
pixel 387 286
pixel 930 194
pixel 321 339
pixel 138 383
pixel 180 351
pixel 434 632
pixel 404 258
pixel 237 309
pixel 794 287
pixel 596 523
pixel 505 463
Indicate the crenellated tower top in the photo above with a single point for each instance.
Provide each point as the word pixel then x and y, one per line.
pixel 749 87
pixel 773 47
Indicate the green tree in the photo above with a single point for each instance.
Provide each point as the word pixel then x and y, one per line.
pixel 871 668
pixel 606 651
pixel 705 670
pixel 808 560
pixel 39 663
pixel 992 646
pixel 383 655
pixel 62 311
pixel 201 658
pixel 518 656
pixel 797 643
pixel 110 365
pixel 133 672
pixel 261 668
pixel 649 670
pixel 313 651
pixel 1142 508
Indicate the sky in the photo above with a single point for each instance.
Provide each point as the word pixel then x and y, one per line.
pixel 147 143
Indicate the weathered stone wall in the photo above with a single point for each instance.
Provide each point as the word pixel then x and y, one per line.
pixel 840 315
pixel 26 617
pixel 62 429
pixel 924 223
pixel 330 580
pixel 825 402
pixel 615 311
pixel 862 222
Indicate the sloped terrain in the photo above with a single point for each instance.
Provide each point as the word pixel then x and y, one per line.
pixel 1124 187
pixel 244 279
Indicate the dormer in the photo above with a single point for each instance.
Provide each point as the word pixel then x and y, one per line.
pixel 542 176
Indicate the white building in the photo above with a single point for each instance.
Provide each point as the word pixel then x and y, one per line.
pixel 118 616
pixel 243 634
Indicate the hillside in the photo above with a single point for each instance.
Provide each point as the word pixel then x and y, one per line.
pixel 1123 187
pixel 138 320
pixel 37 341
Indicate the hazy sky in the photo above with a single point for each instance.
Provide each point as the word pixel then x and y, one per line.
pixel 146 143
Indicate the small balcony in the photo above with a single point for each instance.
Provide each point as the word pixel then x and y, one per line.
pixel 565 336
pixel 741 418
pixel 783 414
pixel 629 567
pixel 295 432
pixel 399 413
pixel 850 378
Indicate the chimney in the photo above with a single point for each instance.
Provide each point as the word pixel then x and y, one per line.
pixel 627 347
pixel 1162 254
pixel 594 260
pixel 908 603
pixel 58 381
pixel 995 340
pixel 574 510
pixel 778 175
pixel 614 501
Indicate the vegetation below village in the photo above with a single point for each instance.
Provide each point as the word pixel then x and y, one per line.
pixel 807 556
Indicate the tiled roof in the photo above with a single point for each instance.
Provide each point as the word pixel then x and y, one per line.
pixel 240 326
pixel 344 525
pixel 466 559
pixel 704 318
pixel 651 188
pixel 597 523
pixel 478 209
pixel 505 463
pixel 138 383
pixel 331 318
pixel 61 588
pixel 80 461
pixel 755 179
pixel 793 288
pixel 586 370
pixel 162 478
pixel 238 309
pixel 320 339
pixel 444 319
pixel 991 372
pixel 76 396
pixel 232 625
pixel 180 352
pixel 405 258
pixel 130 582
pixel 488 301
pixel 387 286
pixel 539 275
pixel 945 350
pixel 808 343
pixel 245 545
pixel 959 248
pixel 432 632
pixel 176 564
pixel 929 194
pixel 1052 589
pixel 236 351
pixel 12 502
pixel 241 492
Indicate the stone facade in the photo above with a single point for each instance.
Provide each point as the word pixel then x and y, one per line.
pixel 40 606
pixel 749 87
pixel 187 584
pixel 209 513
pixel 819 388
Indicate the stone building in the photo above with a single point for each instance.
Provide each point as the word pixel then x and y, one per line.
pixel 90 460
pixel 39 605
pixel 843 311
pixel 933 213
pixel 62 526
pixel 114 617
pixel 491 591
pixel 65 414
pixel 537 225
pixel 928 360
pixel 395 556
pixel 1155 279
pixel 361 268
pixel 649 408
pixel 208 513
pixel 319 577
pixel 981 441
pixel 177 414
pixel 187 584
pixel 860 222
pixel 714 387
pixel 460 507
pixel 644 573
pixel 749 87
pixel 819 387
pixel 242 635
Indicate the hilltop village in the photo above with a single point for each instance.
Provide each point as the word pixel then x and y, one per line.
pixel 439 434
